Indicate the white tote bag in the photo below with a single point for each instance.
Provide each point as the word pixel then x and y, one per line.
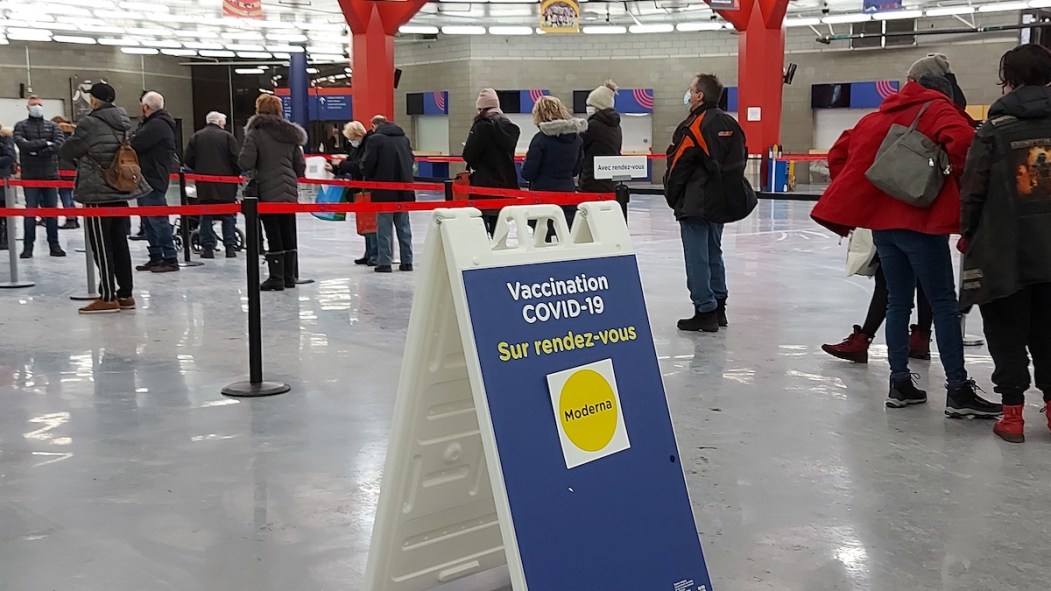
pixel 861 253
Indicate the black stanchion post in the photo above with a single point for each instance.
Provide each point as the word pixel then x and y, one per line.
pixel 184 227
pixel 449 196
pixel 12 246
pixel 623 197
pixel 255 386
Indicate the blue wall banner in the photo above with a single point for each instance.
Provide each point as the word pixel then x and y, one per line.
pixel 581 422
pixel 872 6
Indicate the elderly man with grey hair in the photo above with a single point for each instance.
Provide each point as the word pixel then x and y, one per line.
pixel 154 142
pixel 213 151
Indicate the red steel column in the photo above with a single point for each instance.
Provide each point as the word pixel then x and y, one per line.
pixel 760 69
pixel 373 26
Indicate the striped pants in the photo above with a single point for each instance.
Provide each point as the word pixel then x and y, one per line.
pixel 109 245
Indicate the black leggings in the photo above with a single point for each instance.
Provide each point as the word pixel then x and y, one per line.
pixel 280 231
pixel 878 307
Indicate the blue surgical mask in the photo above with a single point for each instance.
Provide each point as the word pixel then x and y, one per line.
pixel 355 143
pixel 36 111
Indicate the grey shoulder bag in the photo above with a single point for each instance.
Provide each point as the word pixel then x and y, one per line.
pixel 910 166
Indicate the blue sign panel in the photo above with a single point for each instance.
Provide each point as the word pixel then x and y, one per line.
pixel 588 457
pixel 870 95
pixel 530 97
pixel 882 5
pixel 333 107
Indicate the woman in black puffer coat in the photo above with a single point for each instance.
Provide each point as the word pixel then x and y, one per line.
pixel 273 152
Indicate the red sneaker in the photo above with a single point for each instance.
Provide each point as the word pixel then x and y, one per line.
pixel 919 343
pixel 854 348
pixel 1012 427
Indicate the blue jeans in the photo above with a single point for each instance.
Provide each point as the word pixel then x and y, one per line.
pixel 40 197
pixel 371 249
pixel 66 196
pixel 905 257
pixel 702 245
pixel 158 230
pixel 386 225
pixel 229 223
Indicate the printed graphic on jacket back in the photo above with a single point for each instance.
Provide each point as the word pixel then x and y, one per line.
pixel 1031 160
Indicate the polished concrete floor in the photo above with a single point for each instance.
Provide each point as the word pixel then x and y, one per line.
pixel 122 468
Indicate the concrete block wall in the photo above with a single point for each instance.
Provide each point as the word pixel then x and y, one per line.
pixel 563 63
pixel 51 65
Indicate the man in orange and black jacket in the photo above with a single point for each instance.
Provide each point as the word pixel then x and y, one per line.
pixel 706 187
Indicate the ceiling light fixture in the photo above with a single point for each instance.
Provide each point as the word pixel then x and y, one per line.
pixel 511 30
pixel 118 41
pixel 694 27
pixel 1003 6
pixel 242 47
pixel 161 43
pixel 285 48
pixel 418 30
pixel 29 35
pixel 202 45
pixel 646 29
pixel 605 30
pixel 248 71
pixel 327 58
pixel 216 53
pixel 179 52
pixel 254 55
pixel 950 10
pixel 139 50
pixel 846 19
pixel 74 39
pixel 895 15
pixel 463 30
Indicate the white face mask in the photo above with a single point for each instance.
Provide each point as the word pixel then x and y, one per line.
pixel 355 143
pixel 36 111
pixel 686 98
pixel 590 110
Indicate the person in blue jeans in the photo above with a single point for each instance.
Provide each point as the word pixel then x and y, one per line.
pixel 388 158
pixel 154 142
pixel 38 142
pixel 912 242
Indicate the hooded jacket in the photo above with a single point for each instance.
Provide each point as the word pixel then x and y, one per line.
pixel 273 150
pixel 350 167
pixel 8 156
pixel 851 201
pixel 490 151
pixel 706 162
pixel 154 142
pixel 388 158
pixel 556 156
pixel 39 159
pixel 214 151
pixel 1006 199
pixel 92 148
pixel 602 138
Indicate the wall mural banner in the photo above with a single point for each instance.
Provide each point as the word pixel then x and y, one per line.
pixel 243 8
pixel 872 6
pixel 560 16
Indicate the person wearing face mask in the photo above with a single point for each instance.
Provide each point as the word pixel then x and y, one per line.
pixel 706 187
pixel 154 142
pixel 1006 227
pixel 602 138
pixel 350 168
pixel 214 151
pixel 490 150
pixel 38 142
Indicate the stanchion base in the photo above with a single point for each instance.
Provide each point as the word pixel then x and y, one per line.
pixel 191 264
pixel 84 297
pixel 79 250
pixel 300 281
pixel 972 341
pixel 16 284
pixel 247 389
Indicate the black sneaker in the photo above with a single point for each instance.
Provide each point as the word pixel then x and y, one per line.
pixel 147 266
pixel 904 392
pixel 963 402
pixel 405 267
pixel 208 253
pixel 26 254
pixel 361 261
pixel 56 251
pixel 231 252
pixel 701 321
pixel 165 267
pixel 383 269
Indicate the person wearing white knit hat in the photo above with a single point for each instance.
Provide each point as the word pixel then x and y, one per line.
pixel 602 138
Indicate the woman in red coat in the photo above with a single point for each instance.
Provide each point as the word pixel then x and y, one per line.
pixel 912 243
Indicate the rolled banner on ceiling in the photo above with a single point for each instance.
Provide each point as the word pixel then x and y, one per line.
pixel 243 8
pixel 560 16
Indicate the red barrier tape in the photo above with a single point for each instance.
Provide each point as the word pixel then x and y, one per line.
pixel 72 174
pixel 375 185
pixel 408 206
pixel 33 184
pixel 519 193
pixel 209 178
pixel 803 157
pixel 107 212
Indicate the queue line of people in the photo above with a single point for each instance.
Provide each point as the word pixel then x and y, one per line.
pixel 995 193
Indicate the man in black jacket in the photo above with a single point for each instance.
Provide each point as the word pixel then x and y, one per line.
pixel 154 142
pixel 38 141
pixel 214 151
pixel 388 158
pixel 705 185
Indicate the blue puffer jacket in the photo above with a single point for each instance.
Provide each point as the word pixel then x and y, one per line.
pixel 556 156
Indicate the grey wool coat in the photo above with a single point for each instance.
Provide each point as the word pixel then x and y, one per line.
pixel 272 151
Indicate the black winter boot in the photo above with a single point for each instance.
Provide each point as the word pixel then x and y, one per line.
pixel 276 282
pixel 721 313
pixel 290 269
pixel 701 322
